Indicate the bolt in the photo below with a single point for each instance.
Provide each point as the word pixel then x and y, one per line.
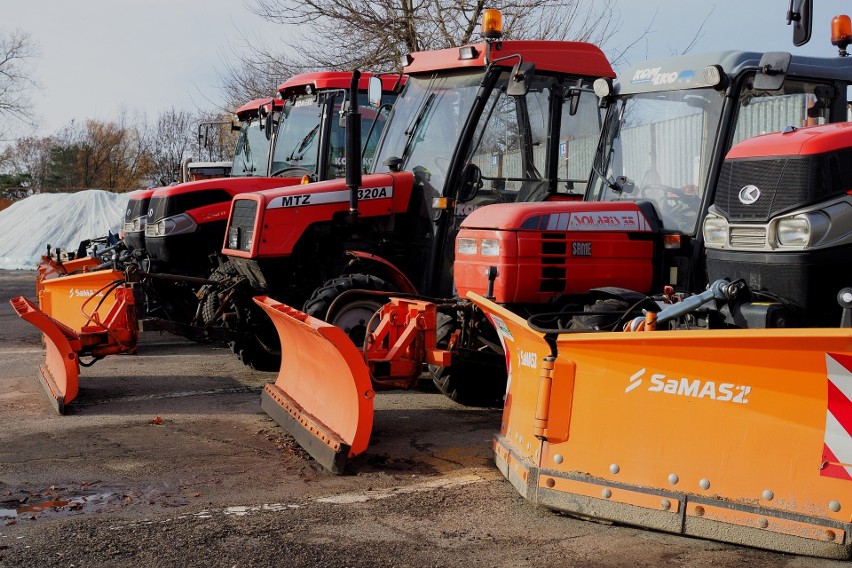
pixel 665 504
pixel 557 459
pixel 834 506
pixel 762 523
pixel 607 493
pixel 550 482
pixel 614 469
pixel 768 495
pixel 830 535
pixel 704 484
pixel 673 478
pixel 699 511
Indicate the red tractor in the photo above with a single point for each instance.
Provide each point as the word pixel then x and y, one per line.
pixel 494 122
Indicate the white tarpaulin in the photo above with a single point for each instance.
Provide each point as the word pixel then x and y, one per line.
pixel 57 219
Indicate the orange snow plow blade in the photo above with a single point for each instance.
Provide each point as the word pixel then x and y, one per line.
pixel 323 395
pixel 72 299
pixel 60 373
pixel 743 436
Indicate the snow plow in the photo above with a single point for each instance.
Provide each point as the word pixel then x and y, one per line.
pixel 74 333
pixel 735 435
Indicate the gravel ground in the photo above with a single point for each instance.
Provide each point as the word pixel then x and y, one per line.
pixel 168 460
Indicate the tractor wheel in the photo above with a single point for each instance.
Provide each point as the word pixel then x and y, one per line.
pixel 481 383
pixel 605 314
pixel 352 314
pixel 210 304
pixel 262 349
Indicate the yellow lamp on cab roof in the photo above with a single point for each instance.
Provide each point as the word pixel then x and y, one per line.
pixel 492 23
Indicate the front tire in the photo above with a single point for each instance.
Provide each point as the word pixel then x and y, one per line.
pixel 474 381
pixel 353 311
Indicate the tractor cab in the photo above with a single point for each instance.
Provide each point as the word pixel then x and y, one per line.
pixel 669 124
pixel 476 125
pixel 286 140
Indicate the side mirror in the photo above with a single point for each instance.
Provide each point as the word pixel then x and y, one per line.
pixel 203 131
pixel 374 91
pixel 800 15
pixel 574 96
pixel 520 80
pixel 269 124
pixel 773 69
pixel 471 182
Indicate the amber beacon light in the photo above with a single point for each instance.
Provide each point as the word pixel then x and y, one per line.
pixel 841 33
pixel 492 23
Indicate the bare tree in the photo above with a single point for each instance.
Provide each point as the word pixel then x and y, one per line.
pixel 16 51
pixel 255 74
pixel 172 142
pixel 347 34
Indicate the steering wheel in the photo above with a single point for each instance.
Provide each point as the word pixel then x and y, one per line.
pixel 292 171
pixel 661 193
pixel 674 203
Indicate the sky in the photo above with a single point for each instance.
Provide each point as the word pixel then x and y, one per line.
pixel 101 57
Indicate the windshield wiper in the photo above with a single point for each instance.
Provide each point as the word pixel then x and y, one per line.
pixel 424 108
pixel 298 152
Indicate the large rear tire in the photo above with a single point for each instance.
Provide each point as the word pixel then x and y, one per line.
pixel 478 382
pixel 353 312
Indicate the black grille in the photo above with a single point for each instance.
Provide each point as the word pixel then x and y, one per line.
pixel 785 183
pixel 242 221
pixel 136 208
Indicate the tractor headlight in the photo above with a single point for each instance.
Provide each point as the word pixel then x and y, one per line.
pixel 489 247
pixel 234 238
pixel 715 230
pixel 794 231
pixel 465 246
pixel 177 225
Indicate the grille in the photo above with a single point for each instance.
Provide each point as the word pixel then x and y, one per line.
pixel 748 237
pixel 242 222
pixel 553 273
pixel 785 183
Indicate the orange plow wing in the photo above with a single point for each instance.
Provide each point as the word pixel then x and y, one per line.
pixel 60 373
pixel 323 395
pixel 93 337
pixel 743 436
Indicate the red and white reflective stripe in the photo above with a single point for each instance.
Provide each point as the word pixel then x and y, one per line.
pixel 837 452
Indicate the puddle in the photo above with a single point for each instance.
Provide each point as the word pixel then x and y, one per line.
pixel 59 506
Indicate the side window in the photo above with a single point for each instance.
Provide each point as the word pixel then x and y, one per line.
pixel 373 118
pixel 796 103
pixel 578 139
pixel 510 152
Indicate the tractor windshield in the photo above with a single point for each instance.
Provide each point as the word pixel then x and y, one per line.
pixel 658 147
pixel 251 154
pixel 301 131
pixel 297 142
pixel 424 125
pixel 512 144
